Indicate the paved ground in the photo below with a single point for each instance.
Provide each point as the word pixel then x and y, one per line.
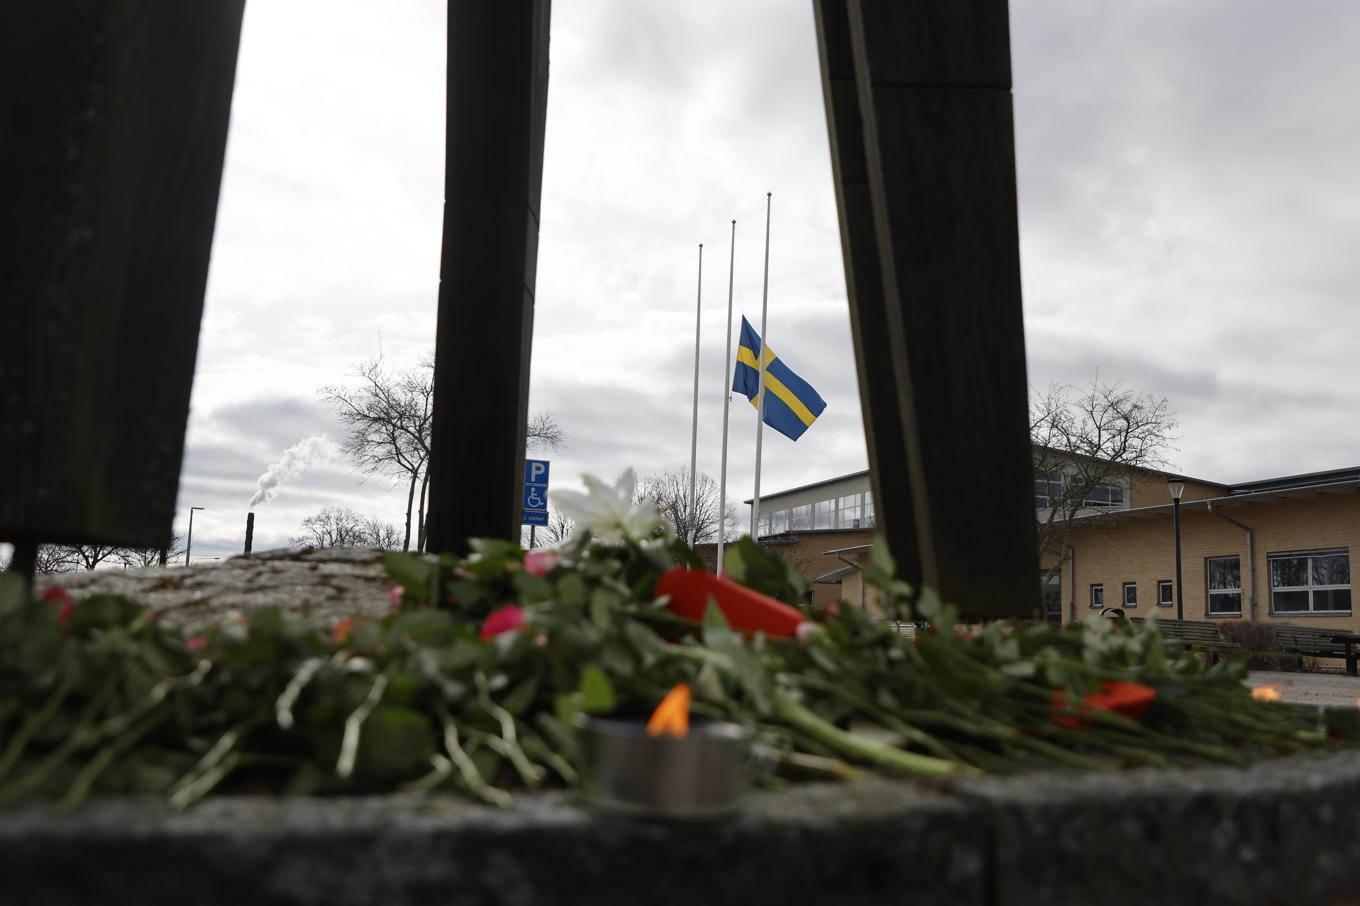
pixel 1310 688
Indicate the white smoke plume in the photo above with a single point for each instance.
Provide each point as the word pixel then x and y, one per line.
pixel 304 453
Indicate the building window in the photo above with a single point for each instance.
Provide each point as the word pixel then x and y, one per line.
pixel 764 528
pixel 1097 595
pixel 780 522
pixel 1048 489
pixel 1166 593
pixel 1225 584
pixel 800 518
pixel 1130 594
pixel 1313 582
pixel 869 520
pixel 824 514
pixel 1104 495
pixel 1052 590
pixel 850 510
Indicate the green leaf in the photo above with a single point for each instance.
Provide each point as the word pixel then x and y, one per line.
pixel 13 593
pixel 765 571
pixel 427 626
pixel 571 590
pixel 104 612
pixel 411 571
pixel 495 548
pixel 596 693
pixel 396 744
pixel 881 558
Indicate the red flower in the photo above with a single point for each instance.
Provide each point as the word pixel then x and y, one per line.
pixel 394 596
pixel 57 595
pixel 508 618
pixel 195 643
pixel 1119 696
pixel 340 632
pixel 690 590
pixel 541 562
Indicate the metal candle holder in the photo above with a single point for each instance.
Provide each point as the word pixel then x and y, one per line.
pixel 701 775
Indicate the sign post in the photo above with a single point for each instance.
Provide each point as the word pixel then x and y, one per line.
pixel 535 493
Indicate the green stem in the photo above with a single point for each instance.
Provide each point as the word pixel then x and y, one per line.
pixel 32 726
pixel 799 717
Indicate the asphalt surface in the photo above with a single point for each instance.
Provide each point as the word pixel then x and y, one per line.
pixel 1333 689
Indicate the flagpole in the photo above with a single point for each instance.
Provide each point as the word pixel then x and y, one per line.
pixel 694 433
pixel 727 403
pixel 760 361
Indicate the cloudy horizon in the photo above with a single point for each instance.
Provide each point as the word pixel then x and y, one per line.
pixel 1186 202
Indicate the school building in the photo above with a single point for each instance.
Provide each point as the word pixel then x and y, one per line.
pixel 1275 550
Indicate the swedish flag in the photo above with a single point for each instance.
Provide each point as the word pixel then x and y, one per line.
pixel 791 405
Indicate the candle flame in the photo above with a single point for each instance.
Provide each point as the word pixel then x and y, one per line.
pixel 1266 694
pixel 671 717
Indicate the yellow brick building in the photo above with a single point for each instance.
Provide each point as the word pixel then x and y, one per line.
pixel 1275 550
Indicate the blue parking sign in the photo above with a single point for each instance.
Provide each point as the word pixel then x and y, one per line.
pixel 535 492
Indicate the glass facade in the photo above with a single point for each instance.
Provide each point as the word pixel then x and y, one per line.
pixel 847 511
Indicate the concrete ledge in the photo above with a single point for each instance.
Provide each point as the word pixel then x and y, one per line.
pixel 1280 832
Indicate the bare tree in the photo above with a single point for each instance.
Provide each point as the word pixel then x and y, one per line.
pixel 89 556
pixel 559 528
pixel 139 557
pixel 388 417
pixel 337 526
pixel 1086 444
pixel 543 433
pixel 55 558
pixel 670 492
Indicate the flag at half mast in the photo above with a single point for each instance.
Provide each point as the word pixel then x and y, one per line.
pixel 791 405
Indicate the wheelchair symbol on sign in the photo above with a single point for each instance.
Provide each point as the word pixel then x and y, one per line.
pixel 534 500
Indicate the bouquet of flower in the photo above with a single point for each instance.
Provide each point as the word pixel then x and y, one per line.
pixel 476 681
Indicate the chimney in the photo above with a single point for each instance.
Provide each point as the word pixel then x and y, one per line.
pixel 250 532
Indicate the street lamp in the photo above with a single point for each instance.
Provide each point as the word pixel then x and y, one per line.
pixel 1177 487
pixel 189 542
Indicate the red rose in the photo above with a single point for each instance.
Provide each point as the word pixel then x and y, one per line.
pixel 58 596
pixel 507 619
pixel 541 562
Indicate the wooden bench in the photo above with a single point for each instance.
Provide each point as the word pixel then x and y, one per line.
pixel 1194 633
pixel 1318 643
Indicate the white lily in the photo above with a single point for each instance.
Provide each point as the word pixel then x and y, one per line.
pixel 609 511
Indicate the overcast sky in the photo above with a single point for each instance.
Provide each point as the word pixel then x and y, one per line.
pixel 1189 215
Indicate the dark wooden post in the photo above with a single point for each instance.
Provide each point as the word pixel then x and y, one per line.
pixel 497 104
pixel 113 126
pixel 919 112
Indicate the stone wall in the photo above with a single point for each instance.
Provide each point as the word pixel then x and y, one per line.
pixel 321 585
pixel 1277 833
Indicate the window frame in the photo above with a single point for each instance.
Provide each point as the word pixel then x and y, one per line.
pixel 848 515
pixel 824 511
pixel 1310 588
pixel 1097 588
pixel 1130 586
pixel 1210 593
pixel 1169 584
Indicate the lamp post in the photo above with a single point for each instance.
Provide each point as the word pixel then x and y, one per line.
pixel 189 542
pixel 1177 488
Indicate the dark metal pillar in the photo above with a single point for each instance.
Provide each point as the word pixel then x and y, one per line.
pixel 113 127
pixel 496 109
pixel 938 335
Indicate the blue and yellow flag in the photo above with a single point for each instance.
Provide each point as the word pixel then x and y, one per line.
pixel 791 405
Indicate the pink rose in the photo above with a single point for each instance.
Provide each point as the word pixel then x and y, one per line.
pixel 394 596
pixel 506 619
pixel 58 596
pixel 195 643
pixel 541 562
